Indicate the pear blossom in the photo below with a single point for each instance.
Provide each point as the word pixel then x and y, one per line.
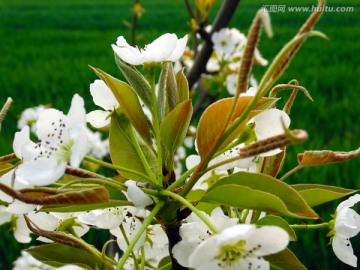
pixel 239 247
pixel 29 117
pixel 225 40
pixel 165 48
pixel 194 232
pixel 104 98
pixel 98 148
pixel 62 140
pixel 347 225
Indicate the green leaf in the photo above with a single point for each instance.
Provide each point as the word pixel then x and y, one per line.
pixel 315 194
pixel 182 85
pixel 58 255
pixel 129 103
pixel 123 151
pixel 271 220
pixel 137 81
pixel 259 192
pixel 167 86
pixel 174 127
pixel 284 260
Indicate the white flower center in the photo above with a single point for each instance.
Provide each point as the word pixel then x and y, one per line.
pixel 57 142
pixel 230 254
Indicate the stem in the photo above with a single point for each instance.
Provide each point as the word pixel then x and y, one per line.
pixel 143 227
pixel 156 126
pixel 127 242
pixel 192 208
pixel 102 182
pixel 181 179
pixel 290 172
pixel 5 109
pixel 322 226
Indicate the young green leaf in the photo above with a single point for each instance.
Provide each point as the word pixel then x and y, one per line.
pixel 284 260
pixel 315 194
pixel 58 255
pixel 271 220
pixel 137 81
pixel 259 192
pixel 123 151
pixel 174 127
pixel 182 85
pixel 129 103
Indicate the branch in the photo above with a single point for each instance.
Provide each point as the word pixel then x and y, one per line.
pixel 222 19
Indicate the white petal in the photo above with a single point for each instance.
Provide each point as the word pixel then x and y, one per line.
pixel 137 196
pixel 205 252
pixel 127 53
pixel 344 251
pixel 98 119
pixel 44 220
pixel 41 172
pixel 267 240
pixel 350 202
pixel 254 263
pixel 347 223
pixel 80 147
pixel 179 49
pixel 183 250
pixel 235 233
pixel 19 208
pixel 192 161
pixel 77 114
pixel 22 232
pixel 109 219
pixel 161 48
pixel 5 216
pixel 21 137
pixel 102 95
pixel 269 124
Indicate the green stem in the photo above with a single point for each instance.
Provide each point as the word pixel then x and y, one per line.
pixel 192 208
pixel 156 126
pixel 290 172
pixel 181 179
pixel 143 227
pixel 116 167
pixel 127 242
pixel 322 226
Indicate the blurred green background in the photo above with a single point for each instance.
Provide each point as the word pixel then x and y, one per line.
pixel 46 47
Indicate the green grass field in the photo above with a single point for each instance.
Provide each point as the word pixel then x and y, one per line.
pixel 46 47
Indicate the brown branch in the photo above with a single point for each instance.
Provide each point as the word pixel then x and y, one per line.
pixel 222 19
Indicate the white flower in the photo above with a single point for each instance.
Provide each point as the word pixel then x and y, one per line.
pixel 63 140
pixel 97 148
pixel 137 196
pixel 347 225
pixel 225 40
pixel 194 232
pixel 239 247
pixel 165 48
pixel 269 124
pixel 29 117
pixel 104 98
